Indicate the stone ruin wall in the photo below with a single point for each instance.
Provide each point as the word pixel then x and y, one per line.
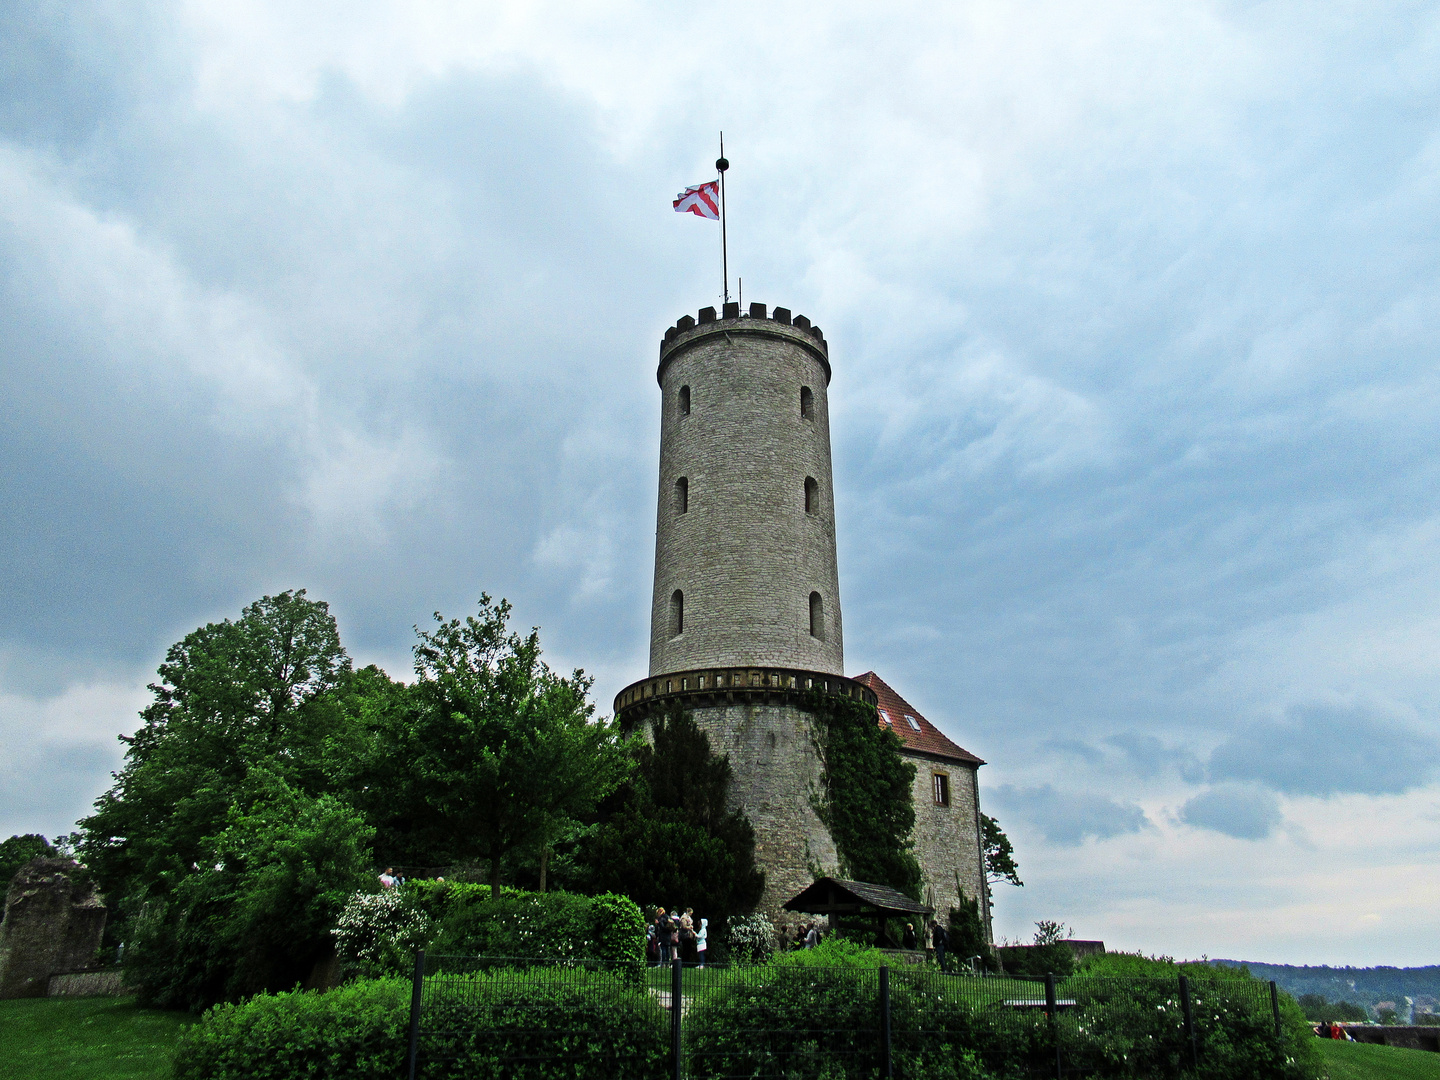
pixel 54 920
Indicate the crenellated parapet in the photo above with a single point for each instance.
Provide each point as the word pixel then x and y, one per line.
pixel 779 324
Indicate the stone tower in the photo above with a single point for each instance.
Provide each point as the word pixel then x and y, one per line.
pixel 745 621
pixel 745 534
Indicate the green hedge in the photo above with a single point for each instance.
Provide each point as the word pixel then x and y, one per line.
pixel 533 926
pixel 357 1032
pixel 815 1014
pixel 544 1024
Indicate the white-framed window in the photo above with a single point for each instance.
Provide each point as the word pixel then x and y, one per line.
pixel 912 721
pixel 942 789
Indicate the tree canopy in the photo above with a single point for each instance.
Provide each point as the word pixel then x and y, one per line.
pixel 232 697
pixel 499 752
pixel 265 768
pixel 668 836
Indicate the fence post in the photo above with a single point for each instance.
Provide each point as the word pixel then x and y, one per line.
pixel 1275 1008
pixel 1053 1012
pixel 677 975
pixel 418 982
pixel 887 1061
pixel 1189 1022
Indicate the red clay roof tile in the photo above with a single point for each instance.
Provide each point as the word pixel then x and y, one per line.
pixel 915 731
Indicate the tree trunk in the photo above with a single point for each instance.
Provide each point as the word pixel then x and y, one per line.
pixel 495 878
pixel 544 864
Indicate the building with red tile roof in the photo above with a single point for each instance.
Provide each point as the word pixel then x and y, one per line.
pixel 947 836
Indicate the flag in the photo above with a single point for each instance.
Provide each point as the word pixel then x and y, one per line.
pixel 702 200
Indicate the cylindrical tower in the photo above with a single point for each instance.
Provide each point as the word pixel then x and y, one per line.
pixel 745 628
pixel 745 570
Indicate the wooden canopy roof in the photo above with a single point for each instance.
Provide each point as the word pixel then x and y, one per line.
pixel 834 896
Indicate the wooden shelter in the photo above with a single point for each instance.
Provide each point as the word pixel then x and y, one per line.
pixel 835 897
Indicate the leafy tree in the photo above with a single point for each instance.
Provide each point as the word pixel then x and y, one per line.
pixel 19 850
pixel 999 854
pixel 256 915
pixel 232 697
pixel 489 751
pixel 668 835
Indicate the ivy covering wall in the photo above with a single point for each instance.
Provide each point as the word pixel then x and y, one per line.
pixel 865 793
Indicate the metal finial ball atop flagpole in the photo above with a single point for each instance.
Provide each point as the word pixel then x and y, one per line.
pixel 721 165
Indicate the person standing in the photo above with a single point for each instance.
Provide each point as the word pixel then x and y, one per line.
pixel 700 938
pixel 939 938
pixel 687 936
pixel 812 936
pixel 387 879
pixel 909 941
pixel 662 934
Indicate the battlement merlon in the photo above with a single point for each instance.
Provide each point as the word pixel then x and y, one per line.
pixel 688 332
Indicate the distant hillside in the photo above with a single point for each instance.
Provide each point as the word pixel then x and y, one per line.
pixel 1364 986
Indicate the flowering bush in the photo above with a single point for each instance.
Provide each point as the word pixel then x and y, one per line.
pixel 380 932
pixel 751 938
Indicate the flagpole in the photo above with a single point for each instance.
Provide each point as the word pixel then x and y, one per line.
pixel 720 166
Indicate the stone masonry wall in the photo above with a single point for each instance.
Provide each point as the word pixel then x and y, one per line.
pixel 947 839
pixel 53 923
pixel 745 554
pixel 775 767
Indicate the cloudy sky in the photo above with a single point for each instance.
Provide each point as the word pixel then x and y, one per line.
pixel 1133 309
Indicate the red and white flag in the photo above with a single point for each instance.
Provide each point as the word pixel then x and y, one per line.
pixel 702 200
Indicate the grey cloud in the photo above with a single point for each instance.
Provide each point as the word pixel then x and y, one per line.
pixel 1244 811
pixel 1068 817
pixel 1329 750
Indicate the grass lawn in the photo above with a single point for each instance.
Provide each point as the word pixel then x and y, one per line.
pixel 1364 1061
pixel 86 1039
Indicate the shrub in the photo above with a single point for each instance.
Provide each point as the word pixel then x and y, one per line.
pixel 554 1022
pixel 545 1022
pixel 357 1032
pixel 751 938
pixel 380 932
pixel 1130 1021
pixel 532 926
pixel 816 1013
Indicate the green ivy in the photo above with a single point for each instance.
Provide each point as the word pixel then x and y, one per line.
pixel 864 797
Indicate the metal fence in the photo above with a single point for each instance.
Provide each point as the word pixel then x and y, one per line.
pixel 479 1017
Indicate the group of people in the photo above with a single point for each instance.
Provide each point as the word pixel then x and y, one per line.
pixel 669 935
pixel 801 936
pixel 1331 1030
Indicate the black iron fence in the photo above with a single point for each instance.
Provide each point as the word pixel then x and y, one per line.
pixel 526 1019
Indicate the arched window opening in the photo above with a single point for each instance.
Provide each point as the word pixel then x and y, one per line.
pixel 677 613
pixel 812 496
pixel 807 402
pixel 817 616
pixel 684 401
pixel 682 495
